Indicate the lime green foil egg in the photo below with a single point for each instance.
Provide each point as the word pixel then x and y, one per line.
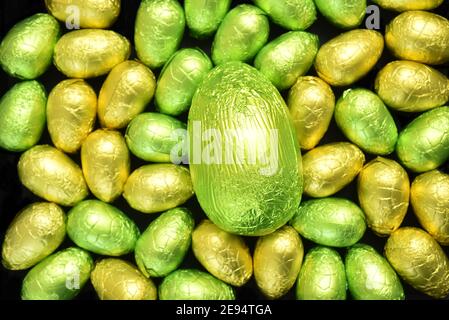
pixel 243 45
pixel 60 276
pixel 101 228
pixel 22 116
pixel 407 5
pixel 204 17
pixel 159 30
pixel 343 13
pixel 27 49
pixel 191 284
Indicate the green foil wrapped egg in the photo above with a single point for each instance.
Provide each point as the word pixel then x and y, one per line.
pixel 191 284
pixel 90 53
pixel 35 233
pixel 254 152
pixel 287 57
pixel 292 14
pixel 127 90
pixel 311 103
pixel 430 201
pixel 419 261
pixel 365 120
pixel 159 30
pixel 163 245
pixel 204 17
pixel 154 136
pixel 99 14
pixel 22 116
pixel 409 86
pixel 277 261
pixel 179 80
pixel 71 111
pixel 342 13
pixel 419 36
pixel 60 276
pixel 348 57
pixel 101 228
pixel 253 30
pixel 334 222
pixel 105 163
pixel 50 174
pixel 224 255
pixel 331 167
pixel 424 144
pixel 408 5
pixel 115 279
pixel 322 276
pixel 158 187
pixel 370 276
pixel 27 49
pixel 383 190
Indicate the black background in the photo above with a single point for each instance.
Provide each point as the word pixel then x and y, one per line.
pixel 13 196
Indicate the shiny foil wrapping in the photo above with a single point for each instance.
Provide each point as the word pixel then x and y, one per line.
pixel 383 190
pixel 342 13
pixel 159 30
pixel 71 111
pixel 158 187
pixel 154 136
pixel 60 276
pixel 277 261
pixel 22 116
pixel 262 162
pixel 322 276
pixel 106 163
pixel 35 233
pixel 334 222
pixel 191 284
pixel 287 57
pixel 419 36
pixel 204 17
pixel 407 5
pixel 253 31
pixel 331 167
pixel 365 120
pixel 162 247
pixel 291 15
pixel 224 255
pixel 27 49
pixel 90 53
pixel 50 174
pixel 419 260
pixel 311 103
pixel 350 56
pixel 127 90
pixel 115 279
pixel 370 276
pixel 99 14
pixel 409 86
pixel 424 144
pixel 430 201
pixel 179 80
pixel 101 228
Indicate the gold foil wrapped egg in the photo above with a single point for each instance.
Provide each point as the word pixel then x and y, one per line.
pixel 71 110
pixel 349 57
pixel 430 202
pixel 105 162
pixel 224 255
pixel 127 90
pixel 115 279
pixel 407 5
pixel 52 175
pixel 419 261
pixel 99 14
pixel 277 261
pixel 383 189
